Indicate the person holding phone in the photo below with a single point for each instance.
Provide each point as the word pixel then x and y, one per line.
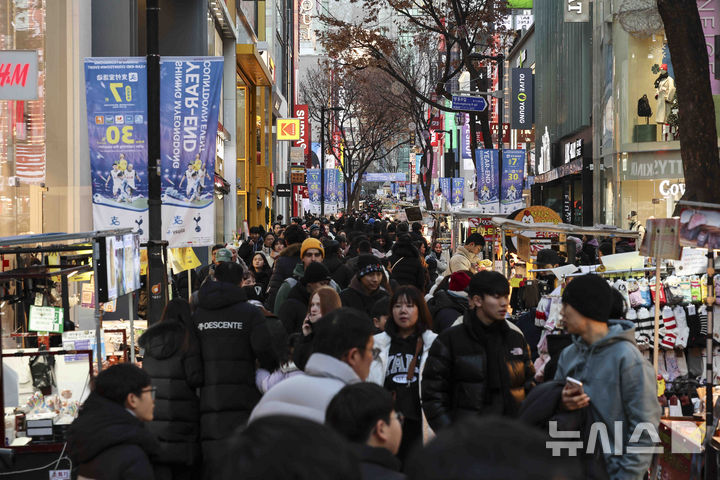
pixel 604 371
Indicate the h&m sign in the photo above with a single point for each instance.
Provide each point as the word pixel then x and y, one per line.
pixel 18 75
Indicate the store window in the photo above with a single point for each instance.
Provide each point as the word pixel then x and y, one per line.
pixel 22 123
pixel 646 71
pixel 651 198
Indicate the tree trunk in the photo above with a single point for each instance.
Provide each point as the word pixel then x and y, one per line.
pixel 698 135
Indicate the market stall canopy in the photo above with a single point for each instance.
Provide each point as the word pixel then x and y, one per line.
pixel 509 225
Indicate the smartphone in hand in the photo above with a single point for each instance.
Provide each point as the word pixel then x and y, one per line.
pixel 574 384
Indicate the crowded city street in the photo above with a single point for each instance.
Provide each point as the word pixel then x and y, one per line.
pixel 360 239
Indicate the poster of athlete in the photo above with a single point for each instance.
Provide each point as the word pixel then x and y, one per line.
pixel 116 96
pixel 189 108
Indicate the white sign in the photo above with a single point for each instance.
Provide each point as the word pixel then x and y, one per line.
pixel 46 319
pixel 693 261
pixel 573 150
pixel 668 189
pixel 18 75
pixel 577 11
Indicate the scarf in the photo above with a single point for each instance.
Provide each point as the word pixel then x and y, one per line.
pixel 662 77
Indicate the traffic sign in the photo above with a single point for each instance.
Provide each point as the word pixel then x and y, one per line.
pixel 469 104
pixel 288 129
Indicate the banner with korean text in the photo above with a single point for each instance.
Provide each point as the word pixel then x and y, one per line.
pixel 189 108
pixel 458 191
pixel 116 97
pixel 313 185
pixel 511 186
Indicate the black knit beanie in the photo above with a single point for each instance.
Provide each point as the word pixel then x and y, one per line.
pixel 590 295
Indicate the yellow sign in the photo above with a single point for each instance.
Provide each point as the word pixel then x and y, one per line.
pixel 288 129
pixel 183 258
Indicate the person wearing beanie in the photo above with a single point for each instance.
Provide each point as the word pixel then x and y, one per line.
pixel 311 251
pixel 447 304
pixel 481 365
pixel 294 307
pixel 367 286
pixel 618 383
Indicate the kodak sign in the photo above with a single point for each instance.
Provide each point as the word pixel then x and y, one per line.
pixel 288 129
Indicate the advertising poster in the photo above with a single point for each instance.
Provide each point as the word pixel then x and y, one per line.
pixel 699 227
pixel 488 190
pixel 189 107
pixel 394 189
pixel 446 187
pixel 466 148
pixel 331 190
pixel 313 184
pixel 116 96
pixel 458 189
pixel 513 169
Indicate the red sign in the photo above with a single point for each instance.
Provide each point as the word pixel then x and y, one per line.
pixel 302 112
pixel 436 123
pixel 494 133
pixel 483 226
pixel 336 142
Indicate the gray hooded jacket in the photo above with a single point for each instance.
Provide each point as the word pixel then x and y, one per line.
pixel 622 388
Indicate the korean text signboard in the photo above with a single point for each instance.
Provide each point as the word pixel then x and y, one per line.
pixel 116 95
pixel 511 186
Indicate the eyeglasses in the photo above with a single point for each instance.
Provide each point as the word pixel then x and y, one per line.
pixel 151 390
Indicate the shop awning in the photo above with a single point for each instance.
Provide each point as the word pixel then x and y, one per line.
pixel 599 230
pixel 250 62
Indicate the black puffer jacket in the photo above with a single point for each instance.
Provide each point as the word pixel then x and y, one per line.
pixel 282 269
pixel 407 268
pixel 107 442
pixel 292 313
pixel 455 374
pixel 355 297
pixel 445 308
pixel 233 335
pixel 172 358
pixel 341 273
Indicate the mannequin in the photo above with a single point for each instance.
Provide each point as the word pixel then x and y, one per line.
pixel 665 94
pixel 545 152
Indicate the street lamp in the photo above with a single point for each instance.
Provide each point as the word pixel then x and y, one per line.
pixel 322 154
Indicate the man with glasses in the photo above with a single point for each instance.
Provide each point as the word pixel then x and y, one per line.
pixel 343 349
pixel 364 413
pixel 108 439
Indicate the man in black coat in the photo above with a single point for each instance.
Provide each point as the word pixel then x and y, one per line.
pixel 341 273
pixel 233 335
pixel 364 413
pixel 108 439
pixel 482 366
pixel 285 263
pixel 294 309
pixel 406 265
pixel 366 286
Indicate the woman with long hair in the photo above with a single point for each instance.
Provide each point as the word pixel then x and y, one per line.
pixel 323 301
pixel 172 358
pixel 261 269
pixel 278 246
pixel 404 347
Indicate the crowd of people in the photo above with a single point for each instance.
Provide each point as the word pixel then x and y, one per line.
pixel 354 348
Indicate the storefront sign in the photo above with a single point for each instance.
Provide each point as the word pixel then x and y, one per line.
pixel 465 146
pixel 189 109
pixel 511 186
pixel 573 150
pixel 305 20
pixel 563 170
pixel 576 11
pixel 288 129
pixel 18 75
pixel 522 99
pixel 302 113
pixel 668 189
pixel 709 11
pixel 488 190
pixel 650 169
pixel 116 97
pixel 483 226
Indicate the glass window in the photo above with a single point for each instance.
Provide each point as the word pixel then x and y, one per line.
pixel 22 123
pixel 241 209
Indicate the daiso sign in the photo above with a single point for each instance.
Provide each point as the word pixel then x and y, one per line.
pixel 301 112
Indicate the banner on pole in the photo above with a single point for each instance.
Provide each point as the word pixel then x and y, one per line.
pixel 116 97
pixel 511 185
pixel 458 194
pixel 488 191
pixel 446 187
pixel 313 184
pixel 189 108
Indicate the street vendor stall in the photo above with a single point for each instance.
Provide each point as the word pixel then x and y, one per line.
pixel 47 364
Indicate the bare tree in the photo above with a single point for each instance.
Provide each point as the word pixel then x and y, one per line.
pixel 369 131
pixel 698 134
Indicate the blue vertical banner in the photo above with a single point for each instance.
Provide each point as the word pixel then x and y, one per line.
pixel 116 97
pixel 458 191
pixel 313 185
pixel 446 187
pixel 189 108
pixel 394 189
pixel 511 186
pixel 488 188
pixel 331 194
pixel 411 189
pixel 465 146
pixel 342 194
